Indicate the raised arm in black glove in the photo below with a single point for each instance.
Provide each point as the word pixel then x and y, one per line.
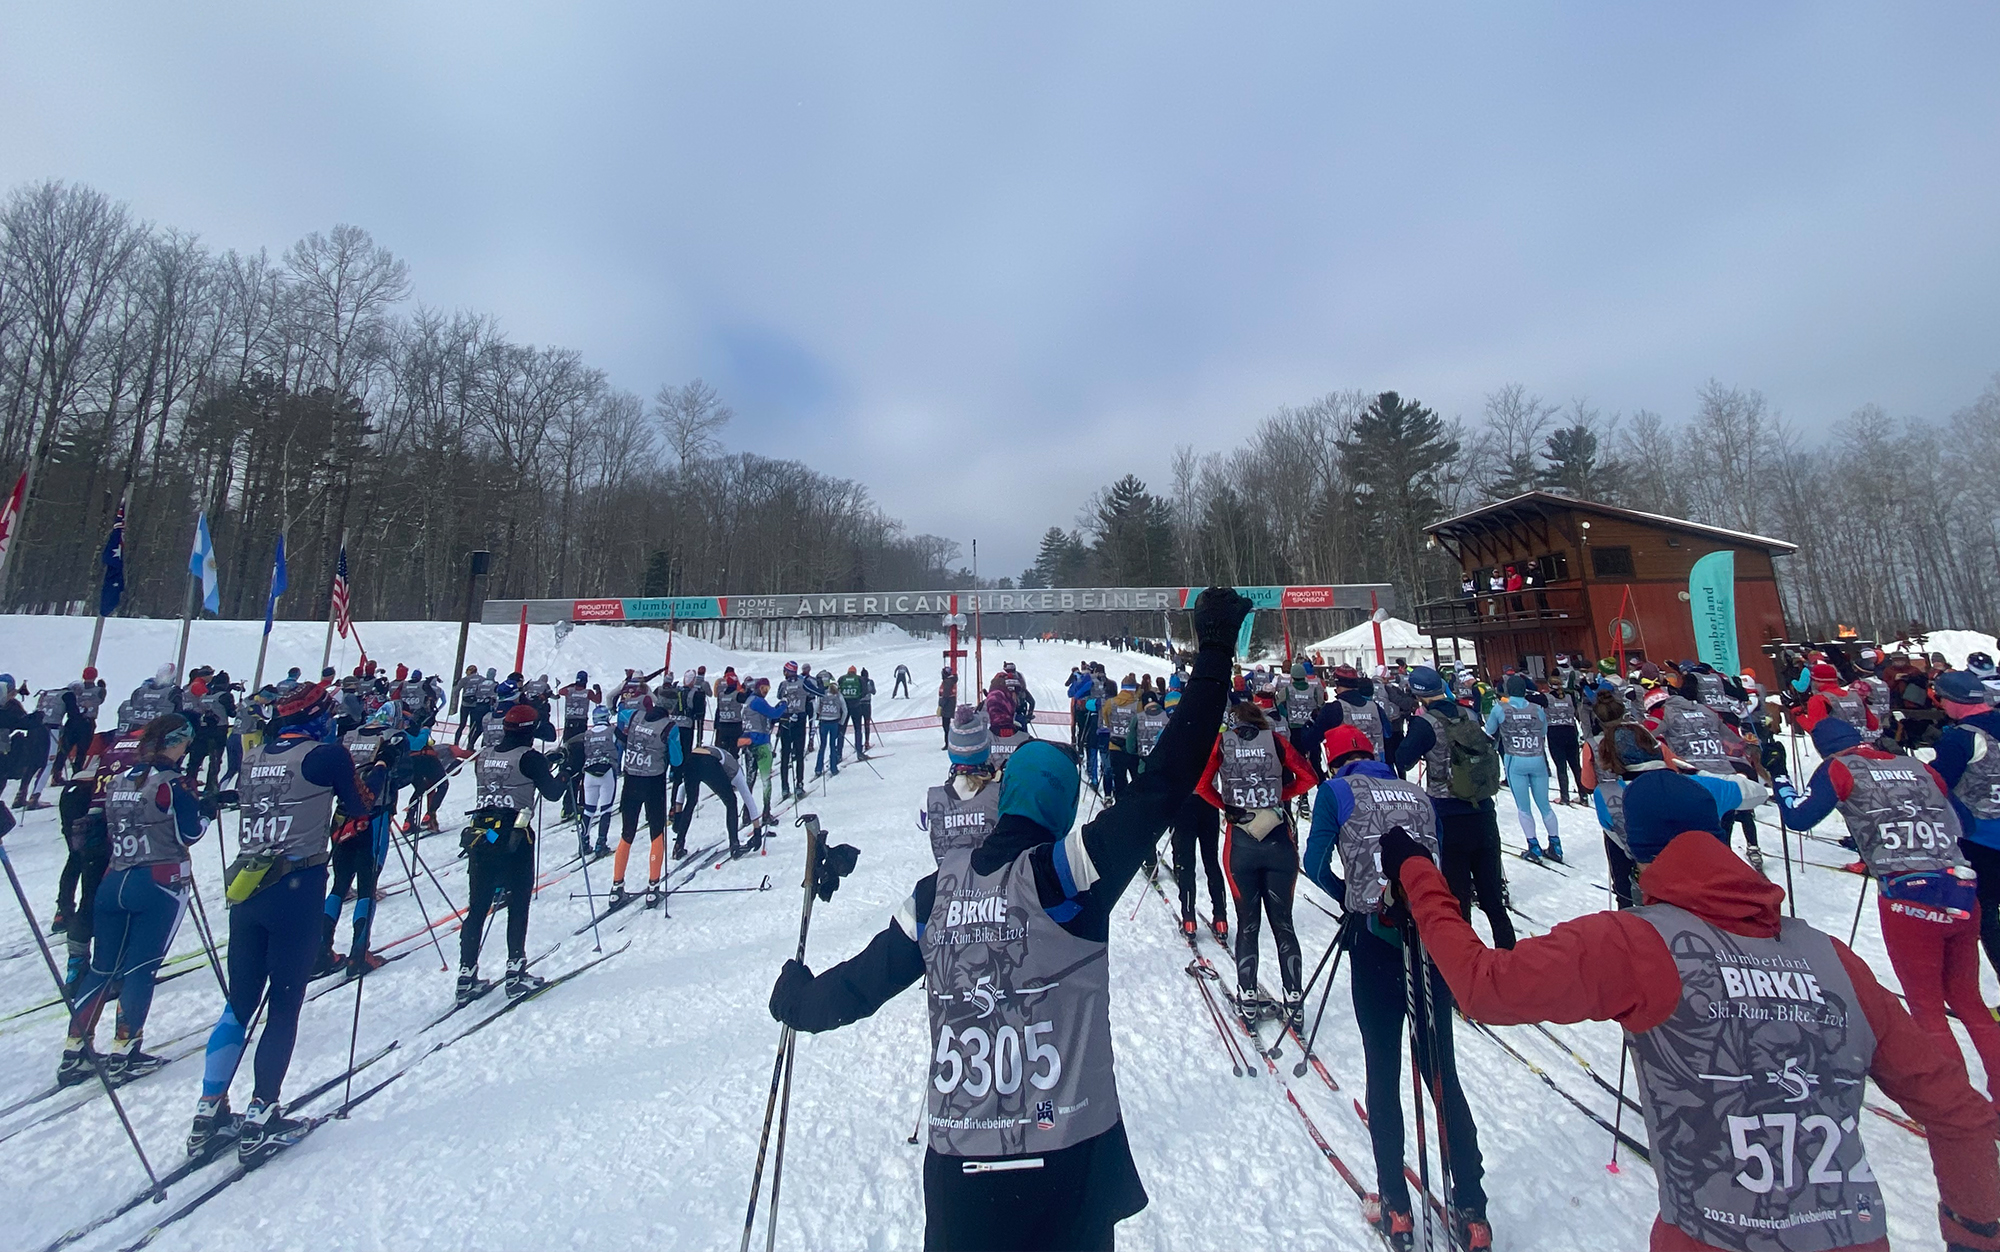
pixel 1218 616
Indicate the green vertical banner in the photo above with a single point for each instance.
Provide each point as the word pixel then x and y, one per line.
pixel 1243 635
pixel 1712 602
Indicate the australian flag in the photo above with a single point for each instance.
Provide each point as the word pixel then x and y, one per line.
pixel 114 566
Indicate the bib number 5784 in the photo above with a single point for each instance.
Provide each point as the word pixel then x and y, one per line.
pixel 995 1061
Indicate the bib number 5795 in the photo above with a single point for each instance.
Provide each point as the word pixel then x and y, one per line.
pixel 995 1061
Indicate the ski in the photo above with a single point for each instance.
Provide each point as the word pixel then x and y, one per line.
pixel 1587 1068
pixel 349 981
pixel 91 1089
pixel 234 1176
pixel 1890 1115
pixel 1339 1167
pixel 548 986
pixel 598 919
pixel 485 986
pixel 1637 1147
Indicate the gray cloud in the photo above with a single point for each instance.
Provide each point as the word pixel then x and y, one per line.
pixel 986 258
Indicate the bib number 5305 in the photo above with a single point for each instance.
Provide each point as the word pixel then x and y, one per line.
pixel 995 1061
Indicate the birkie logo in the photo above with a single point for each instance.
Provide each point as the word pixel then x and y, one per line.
pixel 978 911
pixel 954 821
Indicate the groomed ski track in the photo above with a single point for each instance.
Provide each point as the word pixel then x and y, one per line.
pixel 622 1108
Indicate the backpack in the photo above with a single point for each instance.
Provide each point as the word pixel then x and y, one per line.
pixel 1475 760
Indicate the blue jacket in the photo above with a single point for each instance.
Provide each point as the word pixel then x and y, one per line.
pixel 1954 753
pixel 776 712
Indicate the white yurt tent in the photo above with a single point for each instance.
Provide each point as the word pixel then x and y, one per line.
pixel 1401 641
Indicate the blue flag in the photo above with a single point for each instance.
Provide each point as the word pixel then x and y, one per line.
pixel 201 564
pixel 114 566
pixel 278 582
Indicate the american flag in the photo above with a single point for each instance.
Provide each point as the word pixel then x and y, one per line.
pixel 341 621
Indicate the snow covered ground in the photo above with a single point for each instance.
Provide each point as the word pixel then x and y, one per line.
pixel 623 1108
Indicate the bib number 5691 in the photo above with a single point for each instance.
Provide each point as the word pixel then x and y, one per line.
pixel 995 1061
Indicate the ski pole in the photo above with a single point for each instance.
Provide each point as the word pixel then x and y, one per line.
pixel 206 933
pixel 596 939
pixel 923 1106
pixel 1435 1051
pixel 1417 1082
pixel 778 1165
pixel 778 1066
pixel 353 1036
pixel 443 964
pixel 1299 1070
pixel 96 1065
pixel 1618 1118
pixel 1859 900
pixel 1339 933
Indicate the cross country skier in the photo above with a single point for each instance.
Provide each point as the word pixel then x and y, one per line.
pixel 1624 750
pixel 651 741
pixel 578 698
pixel 156 696
pixel 501 846
pixel 853 690
pixel 1024 699
pixel 80 808
pixel 152 817
pixel 276 888
pixel 797 702
pixel 729 697
pixel 722 773
pixel 1361 803
pixel 901 689
pixel 428 784
pixel 1565 744
pixel 1118 714
pixel 1468 827
pixel 361 844
pixel 1522 731
pixel 694 707
pixel 1830 698
pixel 1754 1112
pixel 81 701
pixel 963 810
pixel 1696 736
pixel 1968 759
pixel 831 708
pixel 464 700
pixel 597 758
pixel 760 718
pixel 1251 778
pixel 1899 814
pixel 43 724
pixel 1043 1161
pixel 1303 697
pixel 947 700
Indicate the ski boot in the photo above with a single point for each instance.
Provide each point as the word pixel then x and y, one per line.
pixel 583 847
pixel 469 987
pixel 1304 806
pixel 129 1062
pixel 1474 1234
pixel 265 1132
pixel 1399 1227
pixel 1295 1012
pixel 1754 855
pixel 1221 928
pixel 519 981
pixel 59 923
pixel 356 965
pixel 214 1125
pixel 1855 867
pixel 1847 841
pixel 1534 852
pixel 1188 927
pixel 756 841
pixel 76 1065
pixel 602 850
pixel 652 898
pixel 1556 849
pixel 680 849
pixel 430 823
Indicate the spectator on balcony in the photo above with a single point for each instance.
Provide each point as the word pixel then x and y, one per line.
pixel 1467 588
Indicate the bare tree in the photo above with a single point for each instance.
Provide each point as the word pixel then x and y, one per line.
pixel 345 284
pixel 691 416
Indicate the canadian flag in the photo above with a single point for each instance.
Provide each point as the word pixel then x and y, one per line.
pixel 10 515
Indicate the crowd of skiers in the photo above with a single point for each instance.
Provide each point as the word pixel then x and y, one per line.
pixel 1752 1031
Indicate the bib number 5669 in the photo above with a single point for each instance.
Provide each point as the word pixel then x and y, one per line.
pixel 995 1061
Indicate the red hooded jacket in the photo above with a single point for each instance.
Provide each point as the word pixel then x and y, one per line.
pixel 1615 967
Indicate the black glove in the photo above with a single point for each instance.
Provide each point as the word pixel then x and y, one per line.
pixel 1398 847
pixel 835 863
pixel 791 986
pixel 1218 616
pixel 1237 816
pixel 1772 756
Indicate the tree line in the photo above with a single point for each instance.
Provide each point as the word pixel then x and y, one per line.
pixel 309 394
pixel 1897 520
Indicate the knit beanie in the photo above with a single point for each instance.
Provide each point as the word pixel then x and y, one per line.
pixel 970 741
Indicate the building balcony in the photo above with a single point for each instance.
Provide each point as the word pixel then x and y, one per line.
pixel 1496 612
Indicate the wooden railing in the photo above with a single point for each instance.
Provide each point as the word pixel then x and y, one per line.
pixel 1503 610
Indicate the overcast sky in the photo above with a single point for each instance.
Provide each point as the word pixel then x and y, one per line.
pixel 986 257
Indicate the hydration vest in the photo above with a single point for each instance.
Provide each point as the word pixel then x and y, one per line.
pixel 955 823
pixel 1147 728
pixel 283 812
pixel 645 747
pixel 1302 703
pixel 1713 694
pixel 1020 1024
pixel 1380 805
pixel 1901 822
pixel 49 705
pixel 1612 792
pixel 89 700
pixel 500 784
pixel 140 833
pixel 1752 1091
pixel 600 749
pixel 792 694
pixel 1522 733
pixel 1251 774
pixel 831 707
pixel 491 732
pixel 729 707
pixel 1365 717
pixel 150 701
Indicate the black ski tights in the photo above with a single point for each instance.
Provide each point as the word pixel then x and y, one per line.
pixel 1381 998
pixel 1985 862
pixel 1564 751
pixel 1470 843
pixel 1198 824
pixel 494 866
pixel 1262 876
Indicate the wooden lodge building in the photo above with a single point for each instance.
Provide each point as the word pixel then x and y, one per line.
pixel 1543 574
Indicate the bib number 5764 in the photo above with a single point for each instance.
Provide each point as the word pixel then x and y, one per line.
pixel 995 1061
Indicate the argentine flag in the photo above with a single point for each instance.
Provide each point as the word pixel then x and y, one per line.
pixel 201 564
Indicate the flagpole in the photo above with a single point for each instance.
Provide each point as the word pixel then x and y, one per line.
pixel 187 620
pixel 279 582
pixel 326 653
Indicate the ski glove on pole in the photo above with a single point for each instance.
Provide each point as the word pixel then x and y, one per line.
pixel 792 982
pixel 835 863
